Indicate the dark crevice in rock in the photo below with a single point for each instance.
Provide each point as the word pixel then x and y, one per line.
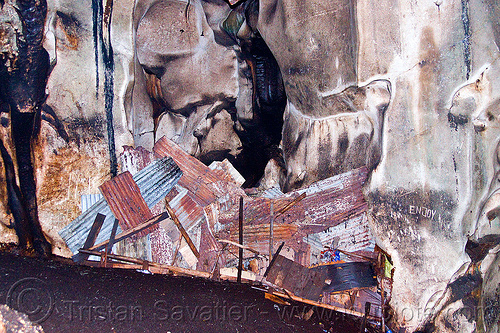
pixel 101 18
pixel 467 35
pixel 22 87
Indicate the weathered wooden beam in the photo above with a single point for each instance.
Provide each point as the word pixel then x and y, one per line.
pixel 133 231
pixel 92 236
pixel 271 263
pixel 173 269
pixel 181 229
pixel 238 245
pixel 111 242
pixel 271 230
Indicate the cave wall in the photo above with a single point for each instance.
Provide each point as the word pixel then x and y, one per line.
pixel 408 89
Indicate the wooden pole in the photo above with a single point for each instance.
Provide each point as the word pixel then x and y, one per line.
pixel 181 229
pixel 240 257
pixel 91 237
pixel 133 231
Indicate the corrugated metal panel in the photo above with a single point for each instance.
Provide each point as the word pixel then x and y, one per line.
pixel 328 203
pixel 154 181
pixel 88 200
pixel 187 210
pixel 195 175
pixel 125 201
pixel 351 235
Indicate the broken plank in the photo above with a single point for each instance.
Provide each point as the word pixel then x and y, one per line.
pixel 322 305
pixel 145 263
pixel 133 231
pixel 181 230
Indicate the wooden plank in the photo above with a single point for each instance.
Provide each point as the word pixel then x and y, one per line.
pixel 111 242
pixel 92 236
pixel 125 201
pixel 181 229
pixel 133 231
pixel 143 263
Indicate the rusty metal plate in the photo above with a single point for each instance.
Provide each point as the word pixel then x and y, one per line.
pixel 126 202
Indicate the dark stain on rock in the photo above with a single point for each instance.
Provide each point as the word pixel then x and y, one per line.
pixel 325 150
pixel 101 17
pixel 467 36
pixel 478 250
pixel 429 70
pixel 71 27
pixel 396 213
pixel 457 120
pixel 359 155
pixel 91 128
pixel 342 146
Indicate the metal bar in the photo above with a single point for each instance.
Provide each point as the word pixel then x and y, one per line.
pixel 271 232
pixel 274 258
pixel 291 204
pixel 240 226
pixel 133 231
pixel 92 236
pixel 181 229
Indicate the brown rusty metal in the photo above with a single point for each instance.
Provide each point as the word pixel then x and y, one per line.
pixel 125 201
pixel 195 175
pixel 296 278
pixel 142 263
pixel 327 203
pixel 291 204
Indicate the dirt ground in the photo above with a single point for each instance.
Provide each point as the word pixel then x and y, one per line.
pixel 64 297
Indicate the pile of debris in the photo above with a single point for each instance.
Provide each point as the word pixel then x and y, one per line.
pixel 177 216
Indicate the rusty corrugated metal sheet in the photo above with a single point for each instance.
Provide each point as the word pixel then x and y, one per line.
pixel 154 181
pixel 351 235
pixel 328 202
pixel 187 210
pixel 195 176
pixel 125 201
